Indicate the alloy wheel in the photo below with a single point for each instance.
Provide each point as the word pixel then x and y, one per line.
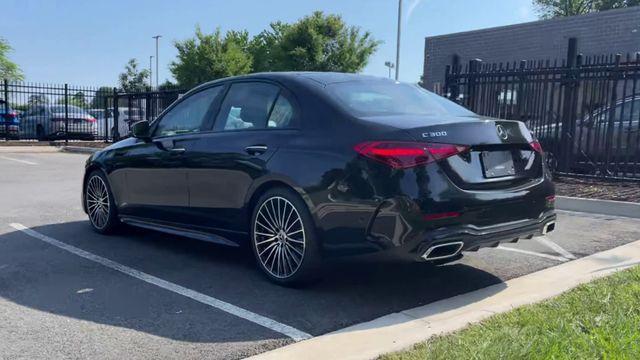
pixel 279 237
pixel 97 198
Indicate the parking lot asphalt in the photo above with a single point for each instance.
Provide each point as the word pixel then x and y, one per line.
pixel 141 294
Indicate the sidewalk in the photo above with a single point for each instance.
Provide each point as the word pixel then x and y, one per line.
pixel 401 330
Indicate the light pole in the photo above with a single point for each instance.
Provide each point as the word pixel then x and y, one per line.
pixel 157 37
pixel 150 72
pixel 398 40
pixel 390 65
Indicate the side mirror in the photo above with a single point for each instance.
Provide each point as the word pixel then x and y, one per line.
pixel 141 130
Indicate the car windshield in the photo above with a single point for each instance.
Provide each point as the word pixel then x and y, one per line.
pixel 59 109
pixel 370 98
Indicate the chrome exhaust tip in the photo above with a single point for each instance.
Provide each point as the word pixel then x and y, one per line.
pixel 443 251
pixel 548 227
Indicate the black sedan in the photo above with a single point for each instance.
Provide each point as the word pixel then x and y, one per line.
pixel 308 166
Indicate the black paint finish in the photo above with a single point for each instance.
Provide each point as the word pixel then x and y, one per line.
pixel 208 182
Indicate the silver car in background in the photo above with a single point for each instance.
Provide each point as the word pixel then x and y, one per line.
pixel 49 122
pixel 126 118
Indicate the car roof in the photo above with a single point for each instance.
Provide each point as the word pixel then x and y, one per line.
pixel 319 78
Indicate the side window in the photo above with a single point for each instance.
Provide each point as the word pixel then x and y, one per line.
pixel 246 106
pixel 189 115
pixel 282 113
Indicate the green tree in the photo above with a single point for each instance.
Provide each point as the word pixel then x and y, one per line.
pixel 558 8
pixel 320 42
pixel 133 79
pixel 37 99
pixel 208 57
pixel 104 92
pixel 78 99
pixel 264 47
pixel 8 69
pixel 168 85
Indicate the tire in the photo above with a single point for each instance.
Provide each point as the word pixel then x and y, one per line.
pixel 103 216
pixel 283 238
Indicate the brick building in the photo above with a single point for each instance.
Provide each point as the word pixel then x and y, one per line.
pixel 607 32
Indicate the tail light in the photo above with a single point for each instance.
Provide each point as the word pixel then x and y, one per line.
pixel 403 155
pixel 11 117
pixel 535 145
pixel 440 216
pixel 90 119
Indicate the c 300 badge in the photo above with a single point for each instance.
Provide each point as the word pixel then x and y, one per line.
pixel 432 134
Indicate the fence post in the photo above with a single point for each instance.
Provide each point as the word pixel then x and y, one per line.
pixel 148 106
pixel 116 116
pixel 474 68
pixel 455 73
pixel 105 101
pixel 445 88
pixel 571 82
pixel 66 113
pixel 520 99
pixel 6 108
pixel 615 75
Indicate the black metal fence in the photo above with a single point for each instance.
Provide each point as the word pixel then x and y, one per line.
pixel 584 110
pixel 32 111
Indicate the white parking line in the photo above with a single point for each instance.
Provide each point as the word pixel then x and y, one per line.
pixel 287 330
pixel 555 247
pixel 533 253
pixel 18 160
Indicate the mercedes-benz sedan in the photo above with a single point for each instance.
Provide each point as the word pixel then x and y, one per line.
pixel 308 166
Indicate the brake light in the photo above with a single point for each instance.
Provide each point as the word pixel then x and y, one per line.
pixel 535 145
pixel 403 155
pixel 90 119
pixel 439 216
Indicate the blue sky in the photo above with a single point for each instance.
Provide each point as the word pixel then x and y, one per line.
pixel 89 42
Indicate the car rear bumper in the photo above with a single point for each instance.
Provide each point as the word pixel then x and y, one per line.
pixel 9 129
pixel 408 224
pixel 473 237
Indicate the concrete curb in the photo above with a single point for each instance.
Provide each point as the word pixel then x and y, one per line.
pixel 28 149
pixel 78 149
pixel 401 330
pixel 605 207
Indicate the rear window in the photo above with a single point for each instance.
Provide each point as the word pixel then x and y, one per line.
pixel 371 98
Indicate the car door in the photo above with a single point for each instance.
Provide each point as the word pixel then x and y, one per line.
pixel 155 179
pixel 254 119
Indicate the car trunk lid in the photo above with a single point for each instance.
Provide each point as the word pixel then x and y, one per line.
pixel 500 152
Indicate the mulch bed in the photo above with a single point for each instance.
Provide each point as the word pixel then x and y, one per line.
pixel 598 189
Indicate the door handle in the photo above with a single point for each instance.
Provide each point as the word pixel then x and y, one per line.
pixel 256 149
pixel 169 146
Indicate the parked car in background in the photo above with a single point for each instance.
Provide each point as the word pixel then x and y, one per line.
pixel 48 122
pixel 126 117
pixel 103 130
pixel 615 128
pixel 308 166
pixel 9 121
